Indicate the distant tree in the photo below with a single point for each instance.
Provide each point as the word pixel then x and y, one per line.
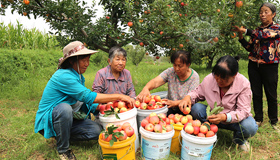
pixel 135 53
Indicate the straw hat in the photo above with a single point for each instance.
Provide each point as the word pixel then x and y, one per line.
pixel 75 48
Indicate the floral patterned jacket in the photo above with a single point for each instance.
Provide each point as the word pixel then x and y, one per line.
pixel 264 43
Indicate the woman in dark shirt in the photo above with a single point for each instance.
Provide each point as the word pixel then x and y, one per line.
pixel 263 62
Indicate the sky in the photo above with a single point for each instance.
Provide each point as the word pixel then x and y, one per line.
pixel 40 23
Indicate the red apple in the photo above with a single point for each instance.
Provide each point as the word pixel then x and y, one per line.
pixel 108 138
pixel 189 129
pixel 168 128
pixel 123 109
pixel 171 116
pixel 182 4
pixel 144 122
pixel 179 123
pixel 152 103
pixel 109 105
pixel 103 136
pixel 157 98
pixel 107 17
pixel 130 24
pixel 102 108
pixel 119 127
pixel 150 127
pixel 189 117
pixel 162 123
pixel 196 123
pixel 162 116
pixel 154 120
pixel 200 135
pixel 143 105
pixel 125 125
pixel 117 110
pixel 115 104
pixel 158 128
pixel 161 32
pixel 186 110
pixel 177 118
pixel 152 114
pixel 121 104
pixel 148 118
pixel 124 137
pixel 184 120
pixel 141 44
pixel 129 131
pixel 147 99
pixel 214 128
pixel 196 130
pixel 137 104
pixel 239 4
pixel 203 129
pixel 167 120
pixel 210 134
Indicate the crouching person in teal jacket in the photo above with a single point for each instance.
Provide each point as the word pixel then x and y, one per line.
pixel 64 110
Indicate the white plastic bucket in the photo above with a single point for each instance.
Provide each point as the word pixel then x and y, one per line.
pixel 129 116
pixel 142 114
pixel 155 146
pixel 196 148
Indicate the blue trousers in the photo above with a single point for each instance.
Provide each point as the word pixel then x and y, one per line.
pixel 242 130
pixel 67 128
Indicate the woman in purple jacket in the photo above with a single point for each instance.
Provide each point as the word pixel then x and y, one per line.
pixel 229 89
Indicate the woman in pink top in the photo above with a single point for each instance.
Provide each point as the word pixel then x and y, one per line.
pixel 231 90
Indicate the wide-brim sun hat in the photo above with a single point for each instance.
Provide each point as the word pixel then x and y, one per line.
pixel 75 48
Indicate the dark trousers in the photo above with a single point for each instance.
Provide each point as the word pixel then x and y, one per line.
pixel 264 75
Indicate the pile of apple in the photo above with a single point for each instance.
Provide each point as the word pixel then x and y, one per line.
pixel 200 130
pixel 179 119
pixel 115 133
pixel 116 106
pixel 157 123
pixel 150 103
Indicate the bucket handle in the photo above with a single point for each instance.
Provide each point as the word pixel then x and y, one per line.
pixel 195 154
pixel 127 152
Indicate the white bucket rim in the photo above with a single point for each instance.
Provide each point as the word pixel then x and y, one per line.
pixel 142 112
pixel 125 115
pixel 156 136
pixel 198 140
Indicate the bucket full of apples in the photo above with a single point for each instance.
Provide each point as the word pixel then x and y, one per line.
pixel 156 135
pixel 117 141
pixel 119 112
pixel 199 139
pixel 150 104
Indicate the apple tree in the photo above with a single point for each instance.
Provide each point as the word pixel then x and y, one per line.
pixel 202 27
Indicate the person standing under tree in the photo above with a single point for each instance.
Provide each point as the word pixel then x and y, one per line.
pixel 264 51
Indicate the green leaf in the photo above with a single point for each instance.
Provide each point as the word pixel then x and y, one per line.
pixel 111 142
pixel 118 134
pixel 117 116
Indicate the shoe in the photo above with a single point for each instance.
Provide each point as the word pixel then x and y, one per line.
pixel 259 123
pixel 245 147
pixel 276 127
pixel 68 155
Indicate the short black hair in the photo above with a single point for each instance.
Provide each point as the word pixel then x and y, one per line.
pixel 67 63
pixel 185 57
pixel 231 70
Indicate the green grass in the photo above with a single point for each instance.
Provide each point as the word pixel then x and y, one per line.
pixel 19 103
